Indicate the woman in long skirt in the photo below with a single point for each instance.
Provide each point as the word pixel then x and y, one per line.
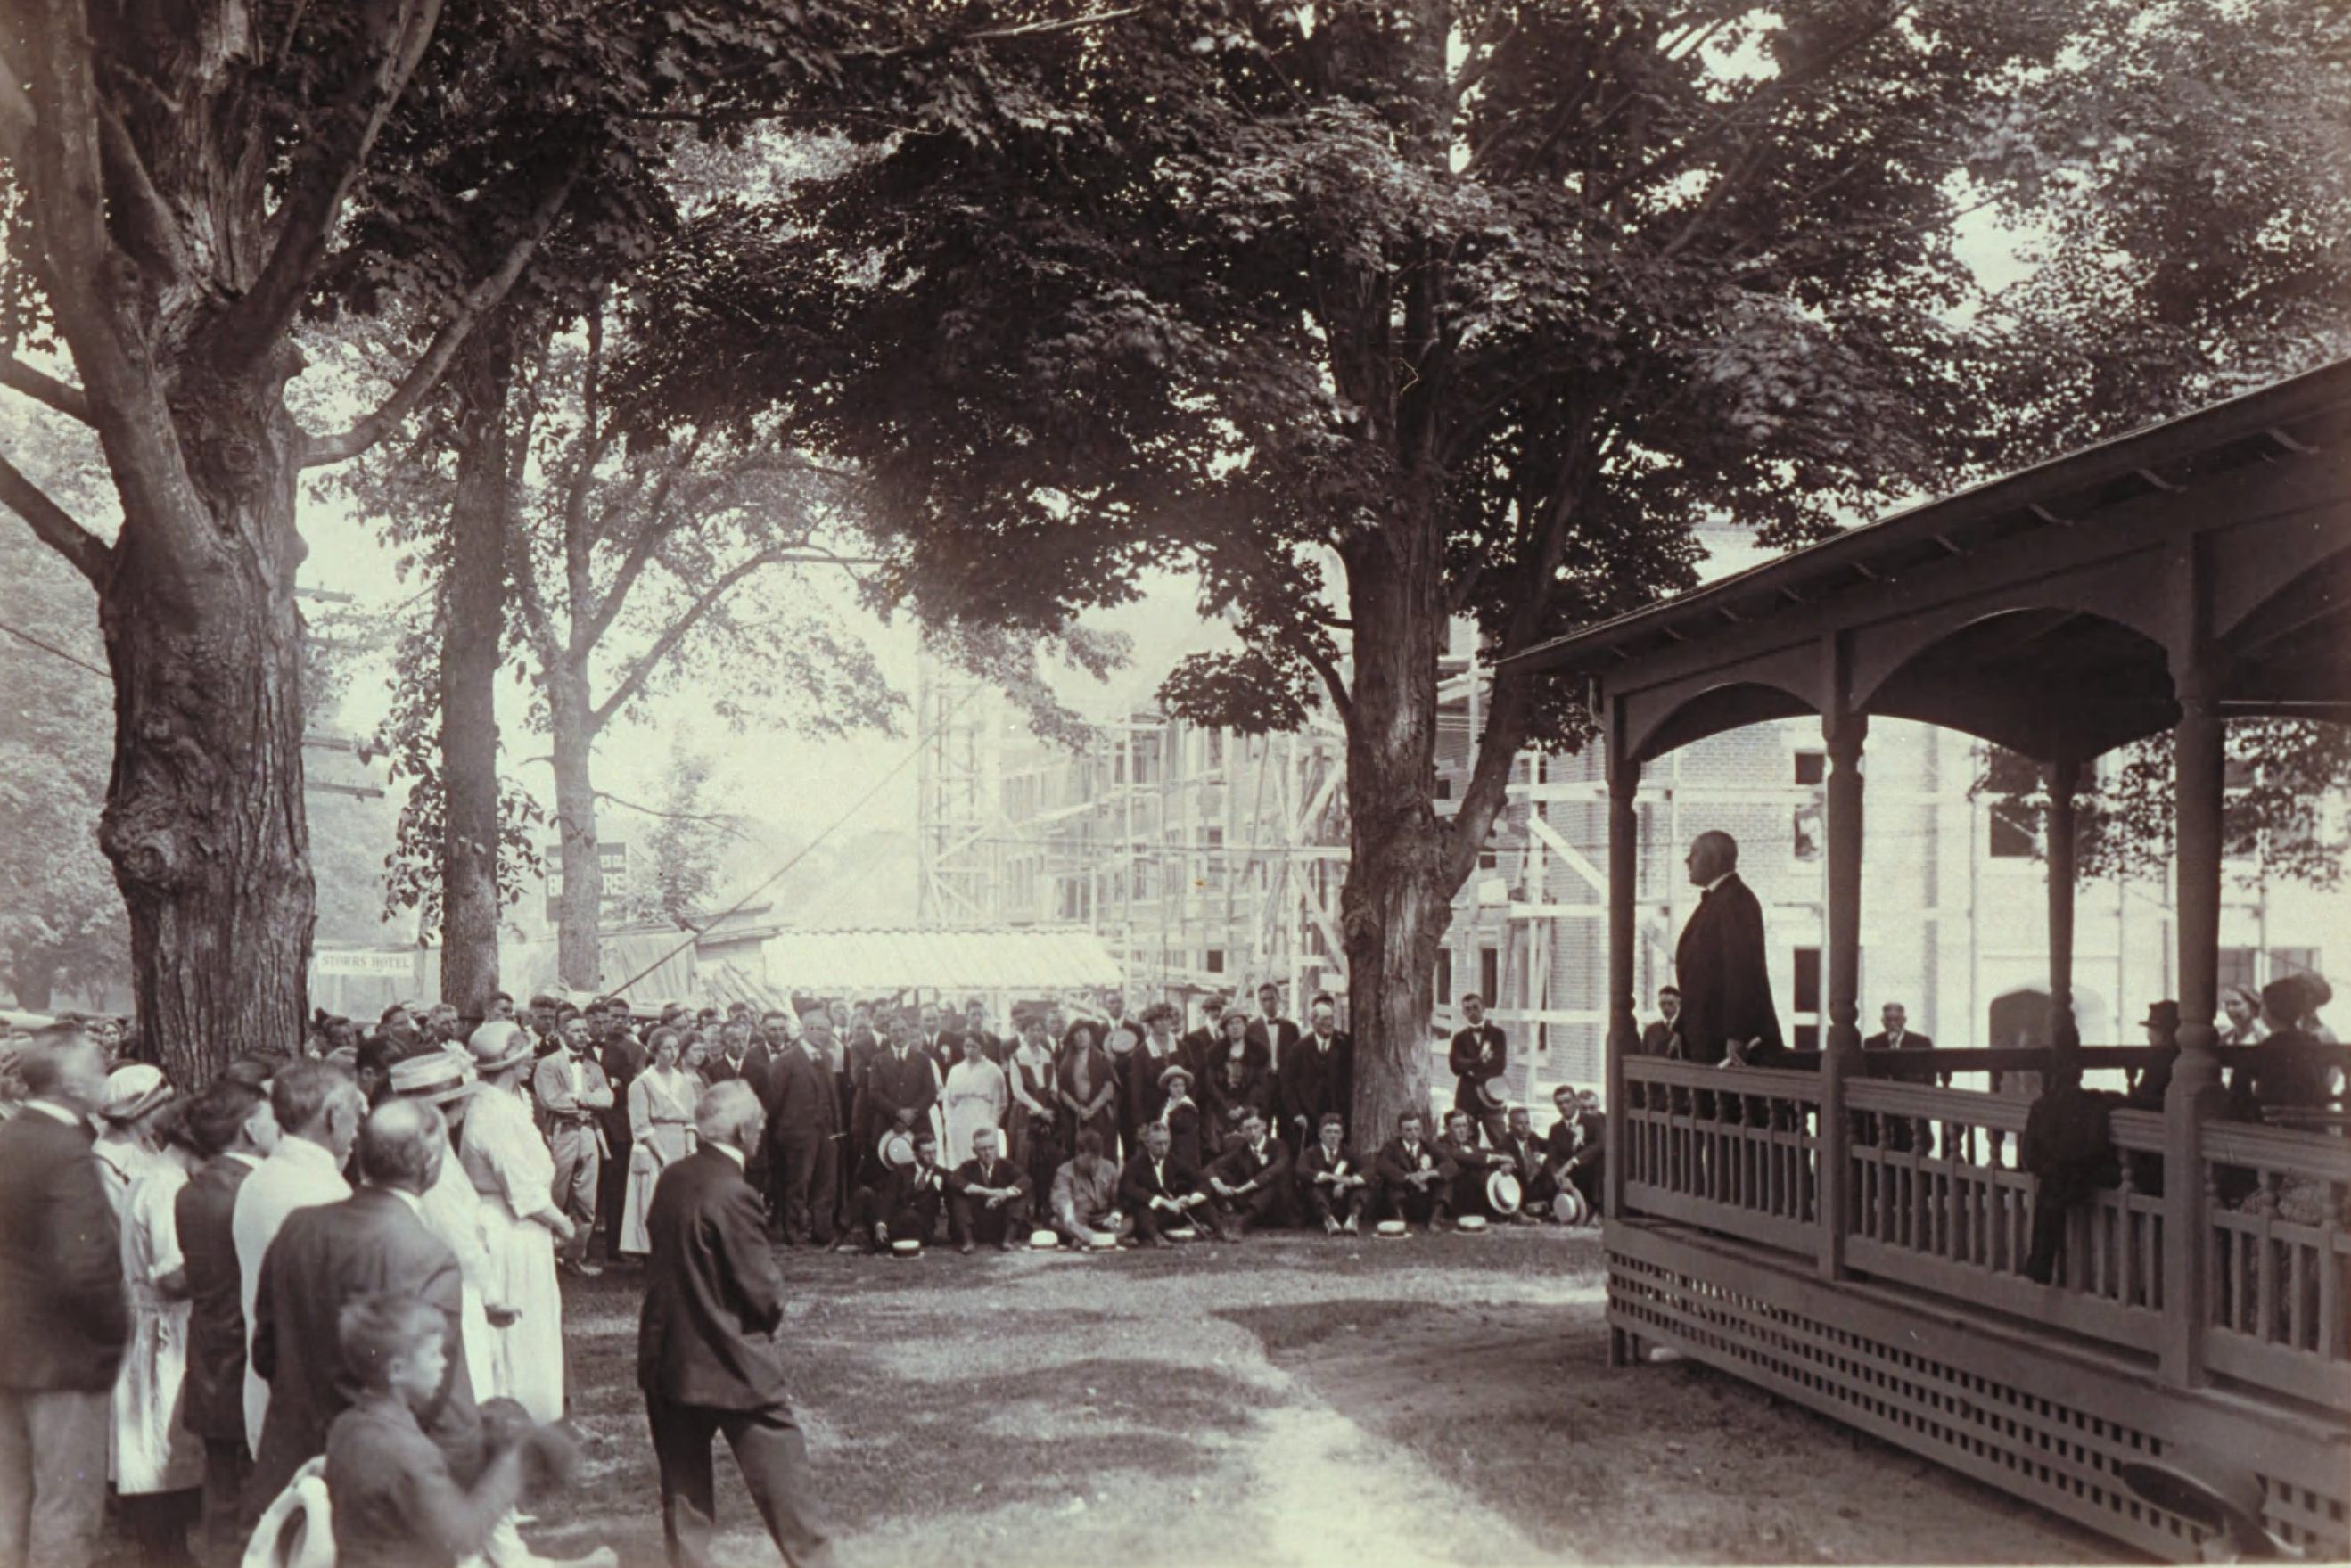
pixel 508 1163
pixel 1028 1078
pixel 158 1464
pixel 1087 1089
pixel 661 1132
pixel 972 1097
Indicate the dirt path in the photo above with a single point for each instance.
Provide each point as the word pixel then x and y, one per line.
pixel 1286 1401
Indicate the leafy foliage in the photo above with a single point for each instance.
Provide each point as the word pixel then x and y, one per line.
pixel 679 878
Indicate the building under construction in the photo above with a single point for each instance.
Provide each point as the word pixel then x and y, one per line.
pixel 1206 860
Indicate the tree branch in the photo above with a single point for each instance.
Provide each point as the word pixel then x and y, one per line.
pixel 320 450
pixel 994 35
pixel 89 554
pixel 69 401
pixel 641 670
pixel 729 821
pixel 599 619
pixel 327 164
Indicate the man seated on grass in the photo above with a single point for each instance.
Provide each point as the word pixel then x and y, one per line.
pixel 1085 1195
pixel 1161 1191
pixel 1529 1155
pixel 1415 1184
pixel 395 1504
pixel 1251 1181
pixel 988 1197
pixel 906 1207
pixel 1335 1185
pixel 1472 1164
pixel 1579 1144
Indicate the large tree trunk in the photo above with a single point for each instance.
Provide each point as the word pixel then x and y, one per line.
pixel 579 949
pixel 474 616
pixel 1398 898
pixel 203 819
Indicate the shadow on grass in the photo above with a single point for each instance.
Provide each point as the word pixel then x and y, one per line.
pixel 886 1446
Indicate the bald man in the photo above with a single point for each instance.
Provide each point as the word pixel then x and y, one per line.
pixel 1725 974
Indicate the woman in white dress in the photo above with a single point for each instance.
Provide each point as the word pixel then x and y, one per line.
pixel 973 1097
pixel 661 1132
pixel 158 1464
pixel 507 1160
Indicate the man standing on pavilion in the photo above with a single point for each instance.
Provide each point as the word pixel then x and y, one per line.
pixel 1725 976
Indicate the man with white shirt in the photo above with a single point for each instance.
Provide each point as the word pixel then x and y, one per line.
pixel 319 1108
pixel 374 1242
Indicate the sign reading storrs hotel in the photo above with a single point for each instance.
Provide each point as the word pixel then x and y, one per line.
pixel 397 962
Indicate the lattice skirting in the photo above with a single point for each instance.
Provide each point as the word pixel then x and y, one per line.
pixel 2047 1420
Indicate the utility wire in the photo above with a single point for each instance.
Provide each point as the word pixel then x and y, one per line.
pixel 801 853
pixel 53 648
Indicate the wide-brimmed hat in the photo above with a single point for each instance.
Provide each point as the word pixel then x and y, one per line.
pixel 1493 1093
pixel 1503 1194
pixel 498 1045
pixel 131 1092
pixel 435 1077
pixel 1176 1070
pixel 896 1148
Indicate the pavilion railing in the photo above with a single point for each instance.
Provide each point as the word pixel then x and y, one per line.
pixel 1936 1199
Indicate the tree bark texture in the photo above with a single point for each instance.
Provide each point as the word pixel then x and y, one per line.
pixel 203 819
pixel 1397 901
pixel 474 616
pixel 578 946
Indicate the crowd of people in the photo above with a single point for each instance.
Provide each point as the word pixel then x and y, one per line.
pixel 330 1281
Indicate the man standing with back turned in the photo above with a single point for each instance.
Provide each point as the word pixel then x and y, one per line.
pixel 705 1348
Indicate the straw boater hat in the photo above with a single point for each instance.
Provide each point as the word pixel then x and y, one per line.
pixel 498 1045
pixel 1101 1241
pixel 1044 1240
pixel 1392 1227
pixel 1470 1222
pixel 1494 1093
pixel 131 1092
pixel 434 1077
pixel 1504 1193
pixel 906 1247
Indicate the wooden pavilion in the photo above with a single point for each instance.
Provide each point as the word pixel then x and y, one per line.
pixel 2185 574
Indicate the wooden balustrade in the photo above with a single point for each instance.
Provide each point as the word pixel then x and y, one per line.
pixel 1936 1200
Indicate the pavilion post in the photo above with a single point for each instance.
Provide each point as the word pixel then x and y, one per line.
pixel 2064 776
pixel 1624 1027
pixel 1840 1053
pixel 2195 1094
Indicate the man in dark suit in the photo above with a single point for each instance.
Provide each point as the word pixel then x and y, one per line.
pixel 804 1123
pixel 1472 1163
pixel 1251 1181
pixel 908 1201
pixel 1269 1034
pixel 1200 1047
pixel 64 1316
pixel 988 1197
pixel 1480 1054
pixel 900 1079
pixel 1159 1190
pixel 1335 1185
pixel 232 1125
pixel 1415 1184
pixel 1317 1076
pixel 1726 978
pixel 705 1345
pixel 1897 1036
pixel 326 1257
pixel 1663 1037
pixel 1538 1184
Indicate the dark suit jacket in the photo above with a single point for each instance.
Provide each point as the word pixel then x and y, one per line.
pixel 1313 1162
pixel 213 1403
pixel 1239 1166
pixel 912 1189
pixel 1146 1096
pixel 713 1296
pixel 325 1258
pixel 1657 1039
pixel 1270 1043
pixel 1468 1072
pixel 1221 1104
pixel 1312 1083
pixel 1911 1041
pixel 893 1084
pixel 64 1318
pixel 1137 1185
pixel 800 1100
pixel 1393 1165
pixel 1725 976
pixel 1004 1173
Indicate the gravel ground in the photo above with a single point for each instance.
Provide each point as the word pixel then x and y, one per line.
pixel 1285 1400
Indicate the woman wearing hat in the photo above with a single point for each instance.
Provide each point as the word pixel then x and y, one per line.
pixel 661 1132
pixel 452 1209
pixel 135 1097
pixel 509 1165
pixel 1180 1115
pixel 1028 1140
pixel 1236 1084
